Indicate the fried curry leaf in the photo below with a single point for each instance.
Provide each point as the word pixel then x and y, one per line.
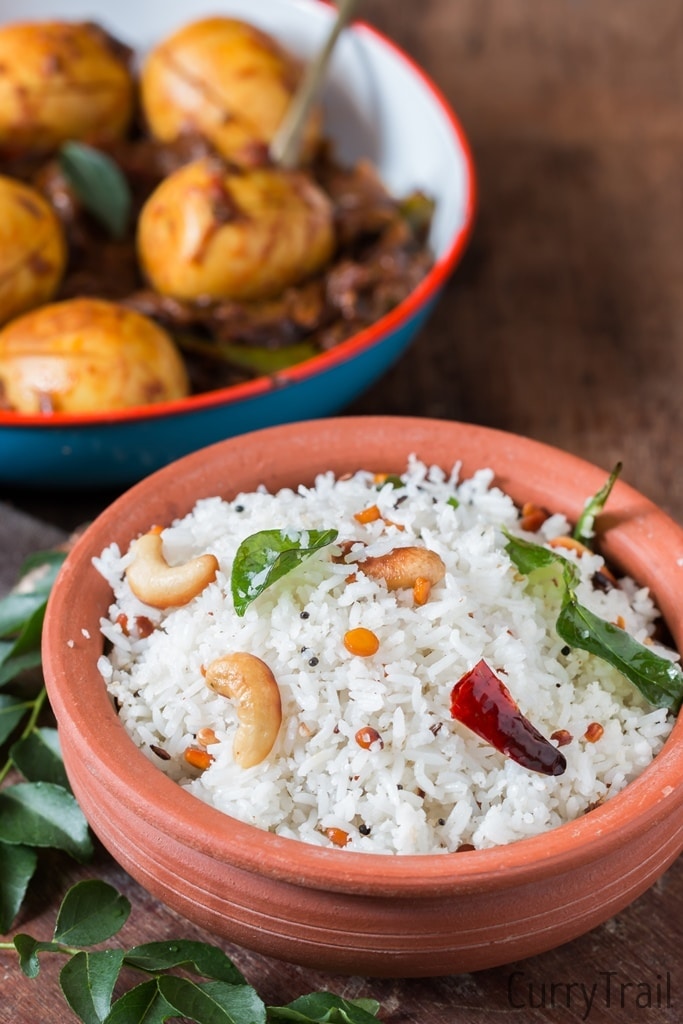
pixel 584 531
pixel 100 185
pixel 659 680
pixel 256 359
pixel 530 557
pixel 267 556
pixel 390 480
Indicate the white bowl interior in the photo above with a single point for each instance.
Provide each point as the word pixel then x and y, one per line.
pixel 379 104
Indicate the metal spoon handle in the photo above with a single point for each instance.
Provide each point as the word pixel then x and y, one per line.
pixel 285 147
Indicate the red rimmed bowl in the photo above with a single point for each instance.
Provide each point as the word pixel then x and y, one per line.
pixel 379 105
pixel 332 909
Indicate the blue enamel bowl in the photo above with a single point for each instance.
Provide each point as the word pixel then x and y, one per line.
pixel 378 104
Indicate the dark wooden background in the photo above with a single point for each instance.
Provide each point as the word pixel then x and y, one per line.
pixel 564 322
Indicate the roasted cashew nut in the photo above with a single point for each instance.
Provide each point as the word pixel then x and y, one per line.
pixel 249 682
pixel 161 585
pixel 402 567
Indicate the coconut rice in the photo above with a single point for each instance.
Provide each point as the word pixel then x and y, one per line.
pixel 428 784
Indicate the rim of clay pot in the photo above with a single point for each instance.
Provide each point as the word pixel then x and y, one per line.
pixel 634 533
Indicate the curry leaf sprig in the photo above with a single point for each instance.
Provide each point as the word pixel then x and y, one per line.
pixel 659 680
pixel 92 912
pixel 40 811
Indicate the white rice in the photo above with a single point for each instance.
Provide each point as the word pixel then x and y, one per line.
pixel 434 785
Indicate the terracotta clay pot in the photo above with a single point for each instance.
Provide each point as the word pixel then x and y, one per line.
pixel 336 910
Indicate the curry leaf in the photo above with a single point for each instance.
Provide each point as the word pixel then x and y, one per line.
pixel 584 531
pixel 22 612
pixel 267 556
pixel 143 1004
pixel 87 981
pixel 213 1003
pixel 17 866
pixel 43 814
pixel 659 680
pixel 28 949
pixel 38 757
pixel 254 358
pixel 24 652
pixel 208 961
pixel 11 712
pixel 390 480
pixel 99 184
pixel 30 593
pixel 529 557
pixel 91 912
pixel 326 1007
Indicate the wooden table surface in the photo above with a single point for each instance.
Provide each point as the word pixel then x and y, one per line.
pixel 563 322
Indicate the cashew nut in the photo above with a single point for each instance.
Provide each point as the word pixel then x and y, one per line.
pixel 402 567
pixel 161 585
pixel 250 683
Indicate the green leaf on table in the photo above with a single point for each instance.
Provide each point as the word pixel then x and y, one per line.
pixel 28 949
pixel 43 814
pixel 22 612
pixel 584 531
pixel 39 758
pixel 11 713
pixel 29 594
pixel 17 866
pixel 24 652
pixel 143 1004
pixel 87 981
pixel 214 1002
pixel 267 556
pixel 99 183
pixel 92 911
pixel 326 1007
pixel 208 961
pixel 659 680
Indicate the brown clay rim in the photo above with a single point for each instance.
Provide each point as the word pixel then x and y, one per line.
pixel 637 535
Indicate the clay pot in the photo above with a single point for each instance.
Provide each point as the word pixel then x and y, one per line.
pixel 336 910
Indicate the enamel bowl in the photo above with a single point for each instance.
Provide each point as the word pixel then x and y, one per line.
pixel 378 104
pixel 336 910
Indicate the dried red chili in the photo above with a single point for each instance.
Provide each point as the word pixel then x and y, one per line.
pixel 484 704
